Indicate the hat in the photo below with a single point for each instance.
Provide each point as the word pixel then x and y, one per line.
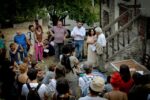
pixel 98 29
pixel 97 84
pixel 115 79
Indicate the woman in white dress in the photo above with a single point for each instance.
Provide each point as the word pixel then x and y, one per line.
pixel 91 39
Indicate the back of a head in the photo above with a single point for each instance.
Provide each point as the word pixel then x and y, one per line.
pixel 87 67
pixel 33 63
pixel 52 67
pixel 137 77
pixel 32 74
pixel 125 72
pixel 66 49
pixel 59 71
pixel 62 86
pixel 98 30
pixel 23 68
pixel 115 80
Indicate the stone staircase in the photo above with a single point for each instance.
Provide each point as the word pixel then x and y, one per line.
pixel 122 40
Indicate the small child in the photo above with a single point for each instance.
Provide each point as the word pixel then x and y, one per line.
pixel 13 52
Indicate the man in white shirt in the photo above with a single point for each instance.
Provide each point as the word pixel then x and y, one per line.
pixel 78 33
pixel 101 40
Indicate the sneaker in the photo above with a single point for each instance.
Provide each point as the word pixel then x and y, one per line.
pixel 42 61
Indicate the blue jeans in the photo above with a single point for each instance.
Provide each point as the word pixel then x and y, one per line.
pixel 79 48
pixel 24 53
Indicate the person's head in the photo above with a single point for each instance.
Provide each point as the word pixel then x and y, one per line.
pixel 18 32
pixel 115 80
pixel 87 67
pixel 52 67
pixel 62 86
pixel 66 49
pixel 36 22
pixel 79 24
pixel 125 72
pixel 26 60
pixel 137 78
pixel 97 85
pixel 98 30
pixel 12 46
pixel 23 68
pixel 91 32
pixel 59 24
pixel 33 63
pixel 40 74
pixel 39 29
pixel 59 71
pixel 31 28
pixel 32 74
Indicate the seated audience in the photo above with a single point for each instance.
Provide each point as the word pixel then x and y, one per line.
pixel 116 94
pixel 42 91
pixel 96 87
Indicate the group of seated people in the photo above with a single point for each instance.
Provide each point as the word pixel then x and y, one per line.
pixel 69 80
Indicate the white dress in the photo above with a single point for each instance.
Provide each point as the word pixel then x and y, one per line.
pixel 91 56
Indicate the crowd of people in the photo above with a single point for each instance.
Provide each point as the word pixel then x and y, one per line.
pixel 22 79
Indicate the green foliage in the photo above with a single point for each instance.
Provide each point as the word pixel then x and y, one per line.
pixel 77 10
pixel 25 10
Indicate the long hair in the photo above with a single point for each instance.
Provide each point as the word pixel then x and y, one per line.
pixel 89 32
pixel 125 73
pixel 62 87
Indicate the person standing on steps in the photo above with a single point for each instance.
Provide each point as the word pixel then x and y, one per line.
pixel 78 33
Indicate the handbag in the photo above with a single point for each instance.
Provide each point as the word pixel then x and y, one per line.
pixel 99 49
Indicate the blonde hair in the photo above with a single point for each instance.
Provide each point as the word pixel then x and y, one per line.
pixel 23 68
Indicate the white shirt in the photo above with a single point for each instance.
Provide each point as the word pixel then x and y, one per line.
pixel 41 91
pixel 78 33
pixel 51 86
pixel 82 82
pixel 31 37
pixel 101 40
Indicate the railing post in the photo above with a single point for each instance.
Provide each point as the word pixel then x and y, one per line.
pixel 123 33
pixel 128 36
pixel 107 55
pixel 113 46
pixel 118 47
